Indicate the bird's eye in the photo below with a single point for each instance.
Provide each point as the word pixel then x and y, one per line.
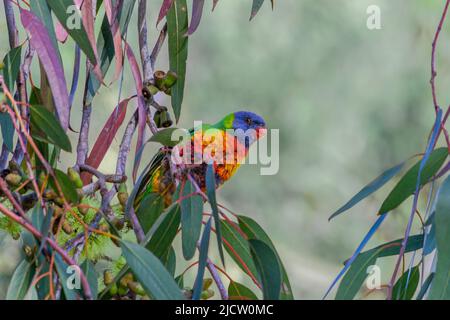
pixel 249 121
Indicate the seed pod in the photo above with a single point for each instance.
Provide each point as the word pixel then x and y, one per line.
pixel 28 251
pixel 165 119
pixel 170 79
pixel 160 77
pixel 83 209
pixel 126 279
pixel 122 291
pixel 149 90
pixel 207 283
pixel 122 195
pixel 108 277
pixel 104 228
pixel 74 176
pixel 207 294
pixel 67 227
pixel 118 223
pixel 113 290
pixel 59 201
pixel 50 194
pixel 136 288
pixel 13 179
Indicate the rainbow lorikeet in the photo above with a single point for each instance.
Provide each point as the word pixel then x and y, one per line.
pixel 231 137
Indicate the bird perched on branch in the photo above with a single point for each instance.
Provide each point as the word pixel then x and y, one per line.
pixel 224 144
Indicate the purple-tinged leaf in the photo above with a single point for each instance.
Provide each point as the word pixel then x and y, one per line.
pixel 197 10
pixel 75 74
pixel 164 10
pixel 105 138
pixel 158 45
pixel 43 44
pixel 114 26
pixel 255 7
pixel 142 119
pixel 88 21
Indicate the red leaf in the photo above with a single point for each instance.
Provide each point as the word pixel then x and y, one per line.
pixel 141 104
pixel 42 43
pixel 197 10
pixel 164 9
pixel 88 22
pixel 105 138
pixel 117 37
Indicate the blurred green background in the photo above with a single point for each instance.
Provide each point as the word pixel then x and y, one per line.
pixel 349 102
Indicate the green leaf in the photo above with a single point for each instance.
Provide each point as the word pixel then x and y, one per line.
pixel 10 73
pixel 164 235
pixel 67 278
pixel 92 276
pixel 20 281
pixel 202 260
pixel 67 17
pixel 254 231
pixel 67 187
pixel 46 121
pixel 406 285
pixel 269 270
pixel 149 210
pixel 42 10
pixel 407 185
pixel 211 194
pixel 425 287
pixel 440 288
pixel 357 273
pixel 177 27
pixel 165 137
pixel 376 184
pixel 150 272
pixel 238 248
pixel 237 291
pixel 12 67
pixel 191 220
pixel 256 5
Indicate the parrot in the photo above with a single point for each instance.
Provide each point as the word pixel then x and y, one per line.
pixel 222 136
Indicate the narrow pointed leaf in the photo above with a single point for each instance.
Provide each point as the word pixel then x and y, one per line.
pixel 10 73
pixel 69 19
pixel 407 184
pixel 43 44
pixel 46 122
pixel 406 285
pixel 67 187
pixel 211 193
pixel 92 276
pixel 191 220
pixel 150 272
pixel 67 279
pixel 238 249
pixel 177 26
pixel 255 7
pixel 441 283
pixel 164 235
pixel 357 273
pixel 269 270
pixel 20 281
pixel 106 137
pixel 197 11
pixel 165 7
pixel 237 291
pixel 204 247
pixel 254 231
pixel 375 185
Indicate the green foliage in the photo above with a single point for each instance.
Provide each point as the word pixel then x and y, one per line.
pixel 126 246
